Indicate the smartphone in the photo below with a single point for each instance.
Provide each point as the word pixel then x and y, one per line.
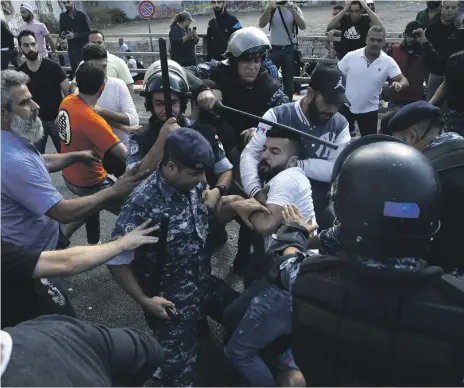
pixel 194 28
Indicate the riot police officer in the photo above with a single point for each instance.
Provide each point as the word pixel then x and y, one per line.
pixel 147 144
pixel 377 314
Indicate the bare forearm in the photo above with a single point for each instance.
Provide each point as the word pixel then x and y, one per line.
pixel 337 19
pixel 125 278
pixel 299 20
pixel 51 43
pixel 373 17
pixel 262 223
pixel 265 17
pixel 227 213
pixel 155 155
pixel 75 260
pixel 440 95
pixel 57 162
pixel 117 117
pixel 225 179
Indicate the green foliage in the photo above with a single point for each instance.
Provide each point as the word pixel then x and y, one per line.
pixel 105 17
pixel 49 20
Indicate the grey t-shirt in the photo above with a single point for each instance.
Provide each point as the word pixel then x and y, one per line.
pixel 60 351
pixel 279 36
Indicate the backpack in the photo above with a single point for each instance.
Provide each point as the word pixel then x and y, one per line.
pixel 448 161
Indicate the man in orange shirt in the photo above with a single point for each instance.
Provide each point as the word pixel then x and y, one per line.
pixel 80 128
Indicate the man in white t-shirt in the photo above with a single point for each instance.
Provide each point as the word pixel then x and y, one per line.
pixel 287 185
pixel 117 68
pixel 284 19
pixel 366 70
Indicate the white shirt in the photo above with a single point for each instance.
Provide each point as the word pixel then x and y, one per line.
pixel 117 98
pixel 364 83
pixel 279 36
pixel 117 68
pixel 132 64
pixel 291 187
pixel 123 48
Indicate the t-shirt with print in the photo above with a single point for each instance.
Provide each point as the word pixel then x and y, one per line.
pixel 291 187
pixel 45 87
pixel 353 34
pixel 25 298
pixel 81 129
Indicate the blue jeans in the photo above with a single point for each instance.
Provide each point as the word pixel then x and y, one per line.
pixel 50 129
pixel 267 317
pixel 284 58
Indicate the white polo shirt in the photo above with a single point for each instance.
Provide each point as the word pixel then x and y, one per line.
pixel 364 82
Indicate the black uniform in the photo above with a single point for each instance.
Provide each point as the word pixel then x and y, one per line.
pixel 220 28
pixel 256 98
pixel 141 141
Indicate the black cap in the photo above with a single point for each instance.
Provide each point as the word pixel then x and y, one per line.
pixel 331 84
pixel 412 26
pixel 190 148
pixel 184 15
pixel 411 114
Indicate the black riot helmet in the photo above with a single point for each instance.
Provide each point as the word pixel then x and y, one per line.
pixel 153 82
pixel 246 43
pixel 386 197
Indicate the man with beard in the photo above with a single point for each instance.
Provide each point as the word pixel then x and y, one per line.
pixel 31 207
pixel 40 31
pixel 447 39
pixel 415 56
pixel 75 27
pixel 220 28
pixel 366 71
pixel 429 15
pixel 47 83
pixel 316 114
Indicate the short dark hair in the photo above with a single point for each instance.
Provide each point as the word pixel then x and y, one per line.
pixel 25 33
pixel 355 3
pixel 210 83
pixel 97 32
pixel 90 78
pixel 168 157
pixel 93 51
pixel 386 119
pixel 295 139
pixel 338 7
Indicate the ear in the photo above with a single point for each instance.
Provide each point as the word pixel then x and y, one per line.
pixel 292 162
pixel 310 93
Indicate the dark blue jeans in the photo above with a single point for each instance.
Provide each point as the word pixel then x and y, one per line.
pixel 266 312
pixel 284 59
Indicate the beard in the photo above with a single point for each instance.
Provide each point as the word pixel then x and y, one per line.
pixel 269 173
pixel 315 115
pixel 30 130
pixel 218 11
pixel 31 55
pixel 27 18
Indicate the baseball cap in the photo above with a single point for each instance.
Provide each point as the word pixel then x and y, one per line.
pixel 184 15
pixel 191 149
pixel 27 7
pixel 331 84
pixel 411 114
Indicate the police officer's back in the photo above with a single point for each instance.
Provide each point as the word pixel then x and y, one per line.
pixel 378 314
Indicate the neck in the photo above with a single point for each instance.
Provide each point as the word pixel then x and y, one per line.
pixel 70 11
pixel 89 100
pixel 446 22
pixel 370 56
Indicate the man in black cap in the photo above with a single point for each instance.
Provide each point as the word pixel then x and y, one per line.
pixel 316 114
pixel 451 90
pixel 415 56
pixel 177 276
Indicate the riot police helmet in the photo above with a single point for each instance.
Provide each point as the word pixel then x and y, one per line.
pixel 153 82
pixel 386 197
pixel 246 43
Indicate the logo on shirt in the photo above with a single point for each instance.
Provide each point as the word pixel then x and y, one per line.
pixel 352 34
pixel 339 84
pixel 133 149
pixel 260 130
pixel 64 127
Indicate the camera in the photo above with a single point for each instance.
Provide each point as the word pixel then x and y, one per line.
pixel 194 28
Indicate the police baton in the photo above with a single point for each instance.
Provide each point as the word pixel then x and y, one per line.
pixel 165 75
pixel 219 107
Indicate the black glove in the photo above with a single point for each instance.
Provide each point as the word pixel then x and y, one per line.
pixel 289 235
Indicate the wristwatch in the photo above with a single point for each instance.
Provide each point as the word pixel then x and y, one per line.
pixel 222 189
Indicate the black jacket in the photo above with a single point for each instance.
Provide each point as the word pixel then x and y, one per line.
pixel 220 28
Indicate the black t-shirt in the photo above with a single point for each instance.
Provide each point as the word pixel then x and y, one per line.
pixel 455 81
pixel 446 39
pixel 45 87
pixel 353 34
pixel 182 52
pixel 59 351
pixel 24 298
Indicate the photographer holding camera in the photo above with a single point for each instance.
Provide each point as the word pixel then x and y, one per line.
pixel 415 57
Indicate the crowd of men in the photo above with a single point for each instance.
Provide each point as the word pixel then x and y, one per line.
pixel 348 247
